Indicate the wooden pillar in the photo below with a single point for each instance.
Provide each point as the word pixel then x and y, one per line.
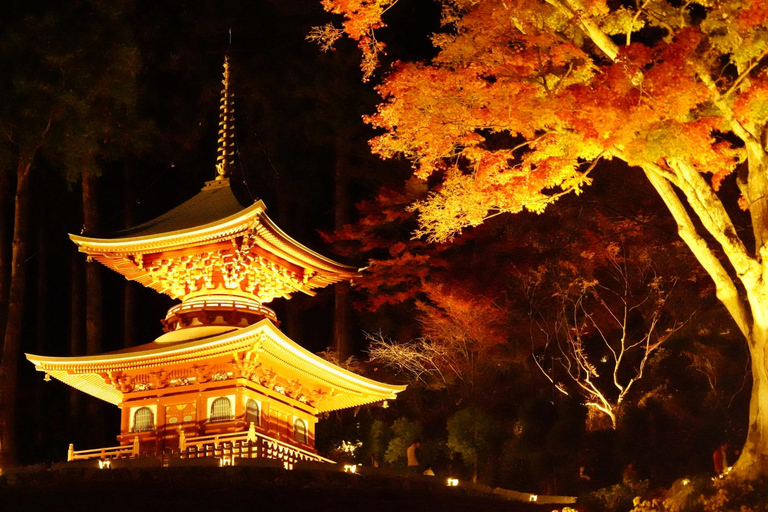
pixel 200 413
pixel 125 419
pixel 274 424
pixel 311 425
pixel 160 428
pixel 239 404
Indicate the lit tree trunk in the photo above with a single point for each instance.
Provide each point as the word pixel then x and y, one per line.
pixel 753 461
pixel 750 315
pixel 754 455
pixel 751 312
pixel 13 328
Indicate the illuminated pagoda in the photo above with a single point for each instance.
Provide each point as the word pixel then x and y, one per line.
pixel 223 380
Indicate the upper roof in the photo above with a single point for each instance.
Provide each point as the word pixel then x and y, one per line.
pixel 214 202
pixel 162 253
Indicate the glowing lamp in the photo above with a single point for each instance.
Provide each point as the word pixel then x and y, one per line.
pixel 105 464
pixel 453 482
pixel 533 497
pixel 350 468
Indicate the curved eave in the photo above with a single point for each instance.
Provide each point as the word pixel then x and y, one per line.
pixel 90 383
pixel 183 238
pixel 114 253
pixel 297 253
pixel 354 390
pixel 351 390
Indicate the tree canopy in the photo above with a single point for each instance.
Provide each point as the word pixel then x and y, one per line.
pixel 525 97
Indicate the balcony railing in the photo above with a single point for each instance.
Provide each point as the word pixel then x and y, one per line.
pixel 249 444
pixel 113 452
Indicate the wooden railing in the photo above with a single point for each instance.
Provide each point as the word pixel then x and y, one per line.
pixel 113 452
pixel 249 444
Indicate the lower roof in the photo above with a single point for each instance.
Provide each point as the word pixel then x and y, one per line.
pixel 340 388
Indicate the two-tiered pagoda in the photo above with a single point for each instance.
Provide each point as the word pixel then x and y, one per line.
pixel 223 374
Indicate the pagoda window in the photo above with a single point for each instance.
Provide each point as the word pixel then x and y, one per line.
pixel 300 431
pixel 143 420
pixel 253 412
pixel 221 410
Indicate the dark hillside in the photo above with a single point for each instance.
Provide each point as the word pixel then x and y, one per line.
pixel 233 489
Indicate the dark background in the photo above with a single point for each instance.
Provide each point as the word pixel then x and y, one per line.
pixel 302 148
pixel 297 111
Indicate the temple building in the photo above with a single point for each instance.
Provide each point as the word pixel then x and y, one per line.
pixel 223 380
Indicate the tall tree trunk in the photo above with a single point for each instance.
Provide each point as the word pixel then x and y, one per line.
pixel 13 329
pixel 342 338
pixel 750 315
pixel 292 316
pixel 130 300
pixel 43 279
pixel 76 330
pixel 42 311
pixel 93 281
pixel 342 326
pixel 6 191
pixel 129 288
pixel 93 297
pixel 753 461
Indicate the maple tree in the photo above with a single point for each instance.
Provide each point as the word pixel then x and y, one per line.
pixel 600 332
pixel 557 251
pixel 462 343
pixel 611 253
pixel 398 266
pixel 525 97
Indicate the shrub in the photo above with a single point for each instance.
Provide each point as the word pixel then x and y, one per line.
pixel 617 498
pixel 405 433
pixel 705 494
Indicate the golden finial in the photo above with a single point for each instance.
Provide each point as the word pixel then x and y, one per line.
pixel 226 149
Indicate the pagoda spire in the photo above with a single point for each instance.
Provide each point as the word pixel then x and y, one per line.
pixel 226 144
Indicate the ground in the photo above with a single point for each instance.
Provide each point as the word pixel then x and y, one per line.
pixel 236 488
